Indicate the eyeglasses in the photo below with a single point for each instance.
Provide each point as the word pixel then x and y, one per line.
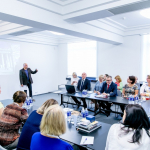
pixel 108 80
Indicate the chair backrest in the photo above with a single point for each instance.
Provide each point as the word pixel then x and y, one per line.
pixel 119 93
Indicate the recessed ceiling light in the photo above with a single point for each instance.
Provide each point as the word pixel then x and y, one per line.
pixel 145 13
pixel 56 33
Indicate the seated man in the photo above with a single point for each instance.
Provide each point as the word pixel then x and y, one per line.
pixel 83 84
pixel 109 88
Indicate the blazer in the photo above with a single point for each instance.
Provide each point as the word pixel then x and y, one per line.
pixel 23 76
pixel 112 89
pixel 86 86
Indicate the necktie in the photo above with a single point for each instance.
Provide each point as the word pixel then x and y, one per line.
pixel 82 85
pixel 108 87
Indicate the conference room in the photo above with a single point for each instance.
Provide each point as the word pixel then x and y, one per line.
pixel 74 74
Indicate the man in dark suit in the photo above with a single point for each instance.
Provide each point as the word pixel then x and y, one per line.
pixel 109 88
pixel 25 77
pixel 83 84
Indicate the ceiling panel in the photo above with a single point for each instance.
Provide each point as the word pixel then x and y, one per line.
pixel 131 19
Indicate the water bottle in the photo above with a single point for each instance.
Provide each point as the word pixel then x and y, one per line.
pixel 28 103
pixel 83 113
pixel 130 99
pixel 136 100
pixel 69 115
pixel 31 102
pixel 84 93
pixel 86 112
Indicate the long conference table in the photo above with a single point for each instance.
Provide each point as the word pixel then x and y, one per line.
pixel 100 134
pixel 115 100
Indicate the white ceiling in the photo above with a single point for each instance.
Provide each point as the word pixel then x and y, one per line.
pixel 131 19
pixel 64 2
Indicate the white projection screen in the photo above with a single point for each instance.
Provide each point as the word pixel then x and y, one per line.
pixel 9 56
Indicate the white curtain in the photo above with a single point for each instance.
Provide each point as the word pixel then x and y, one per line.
pixel 145 56
pixel 82 57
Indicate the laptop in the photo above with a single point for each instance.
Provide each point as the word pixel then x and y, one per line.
pixel 70 89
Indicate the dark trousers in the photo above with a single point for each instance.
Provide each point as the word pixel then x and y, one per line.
pixel 77 102
pixel 105 105
pixel 30 88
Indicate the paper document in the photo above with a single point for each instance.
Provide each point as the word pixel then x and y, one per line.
pixel 99 96
pixel 22 88
pixel 87 140
pixel 57 92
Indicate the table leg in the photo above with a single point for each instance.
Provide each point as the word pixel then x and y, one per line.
pixel 62 99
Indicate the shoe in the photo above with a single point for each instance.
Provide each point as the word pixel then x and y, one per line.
pixel 33 100
pixel 108 112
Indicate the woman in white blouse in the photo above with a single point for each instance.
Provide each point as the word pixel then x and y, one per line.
pixel 145 89
pixel 133 133
pixel 74 79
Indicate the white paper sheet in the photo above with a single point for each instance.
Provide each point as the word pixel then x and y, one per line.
pixel 87 140
pixel 22 88
pixel 99 96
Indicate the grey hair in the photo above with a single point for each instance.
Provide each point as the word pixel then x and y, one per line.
pixel 109 77
pixel 24 64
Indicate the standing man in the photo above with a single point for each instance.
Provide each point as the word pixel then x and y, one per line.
pixel 25 77
pixel 83 84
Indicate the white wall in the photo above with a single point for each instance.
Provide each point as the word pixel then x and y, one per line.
pixel 42 57
pixel 123 60
pixel 62 63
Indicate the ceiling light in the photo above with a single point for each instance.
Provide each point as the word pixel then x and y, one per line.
pixel 145 13
pixel 56 33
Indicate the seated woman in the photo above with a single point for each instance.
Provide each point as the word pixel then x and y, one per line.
pixel 133 133
pixel 97 88
pixel 105 76
pixel 145 89
pixel 74 79
pixel 32 125
pixel 129 89
pixel 53 125
pixel 11 120
pixel 119 83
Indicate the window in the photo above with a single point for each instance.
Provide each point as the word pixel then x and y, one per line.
pixel 82 57
pixel 145 56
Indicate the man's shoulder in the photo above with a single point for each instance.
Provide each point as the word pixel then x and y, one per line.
pixel 21 69
pixel 114 84
pixel 104 83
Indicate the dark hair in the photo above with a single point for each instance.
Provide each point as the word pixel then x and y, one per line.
pixel 19 97
pixel 136 118
pixel 106 75
pixel 109 77
pixel 132 78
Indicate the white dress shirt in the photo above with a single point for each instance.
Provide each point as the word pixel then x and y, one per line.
pixel 74 79
pixel 116 140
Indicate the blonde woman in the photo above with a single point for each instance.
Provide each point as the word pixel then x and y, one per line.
pixel 119 83
pixel 97 88
pixel 32 125
pixel 74 79
pixel 53 125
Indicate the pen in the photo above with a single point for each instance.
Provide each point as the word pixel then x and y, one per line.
pixel 84 140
